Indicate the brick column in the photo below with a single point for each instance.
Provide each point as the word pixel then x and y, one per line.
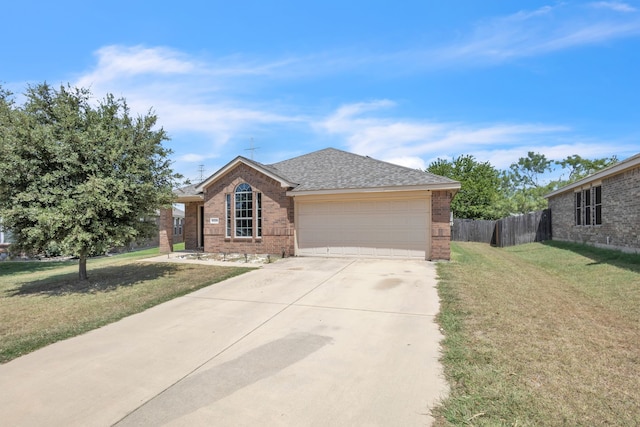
pixel 191 225
pixel 440 226
pixel 165 226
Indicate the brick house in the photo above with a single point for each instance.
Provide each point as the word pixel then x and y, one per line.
pixel 178 225
pixel 5 240
pixel 326 203
pixel 602 209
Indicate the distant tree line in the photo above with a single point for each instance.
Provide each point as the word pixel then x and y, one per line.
pixel 489 193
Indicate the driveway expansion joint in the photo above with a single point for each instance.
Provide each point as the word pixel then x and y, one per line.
pixel 366 310
pixel 237 300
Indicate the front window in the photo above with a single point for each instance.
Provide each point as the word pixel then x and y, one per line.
pixel 259 212
pixel 228 215
pixel 244 210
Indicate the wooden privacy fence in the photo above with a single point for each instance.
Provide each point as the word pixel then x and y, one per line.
pixel 472 230
pixel 509 231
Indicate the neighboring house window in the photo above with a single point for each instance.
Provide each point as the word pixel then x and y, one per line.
pixel 175 226
pixel 598 204
pixel 228 215
pixel 244 210
pixel 579 208
pixel 180 223
pixel 586 199
pixel 588 205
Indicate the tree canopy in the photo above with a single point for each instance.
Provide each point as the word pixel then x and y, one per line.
pixel 480 186
pixel 580 167
pixel 83 176
pixel 524 184
pixel 530 178
pixel 487 193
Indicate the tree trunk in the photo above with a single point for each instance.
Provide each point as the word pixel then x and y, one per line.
pixel 83 267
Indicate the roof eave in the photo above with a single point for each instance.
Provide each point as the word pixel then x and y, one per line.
pixel 189 198
pixel 454 186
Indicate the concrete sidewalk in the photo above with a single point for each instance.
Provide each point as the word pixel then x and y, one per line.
pixel 304 341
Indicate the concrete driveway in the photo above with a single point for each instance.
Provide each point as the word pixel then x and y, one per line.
pixel 304 341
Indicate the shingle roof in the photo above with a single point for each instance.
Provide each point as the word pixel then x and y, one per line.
pixel 178 213
pixel 189 190
pixel 332 169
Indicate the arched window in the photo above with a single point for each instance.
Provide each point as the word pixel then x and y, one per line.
pixel 244 210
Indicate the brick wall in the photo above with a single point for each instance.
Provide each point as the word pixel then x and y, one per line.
pixel 165 226
pixel 191 225
pixel 440 225
pixel 620 227
pixel 277 215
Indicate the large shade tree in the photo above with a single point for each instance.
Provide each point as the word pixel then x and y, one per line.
pixel 525 183
pixel 479 194
pixel 80 174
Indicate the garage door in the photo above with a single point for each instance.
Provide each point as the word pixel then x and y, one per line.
pixel 374 228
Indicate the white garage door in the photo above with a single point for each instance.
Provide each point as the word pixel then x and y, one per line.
pixel 375 228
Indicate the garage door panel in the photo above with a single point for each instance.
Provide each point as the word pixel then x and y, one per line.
pixel 377 228
pixel 353 207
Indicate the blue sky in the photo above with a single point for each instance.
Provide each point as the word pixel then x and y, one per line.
pixel 407 82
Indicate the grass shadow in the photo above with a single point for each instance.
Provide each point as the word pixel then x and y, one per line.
pixel 102 279
pixel 18 267
pixel 599 255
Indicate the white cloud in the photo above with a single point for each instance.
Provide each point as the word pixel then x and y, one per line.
pixel 189 95
pixel 538 32
pixel 116 62
pixel 409 162
pixel 614 5
pixel 194 157
pixel 220 121
pixel 372 135
pixel 416 143
pixel 212 101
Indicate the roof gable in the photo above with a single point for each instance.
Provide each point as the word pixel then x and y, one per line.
pixel 264 169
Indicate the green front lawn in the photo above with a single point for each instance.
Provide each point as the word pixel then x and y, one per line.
pixel 540 335
pixel 43 302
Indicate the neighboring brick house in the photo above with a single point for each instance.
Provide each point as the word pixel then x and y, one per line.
pixel 602 209
pixel 5 237
pixel 326 203
pixel 178 225
pixel 5 240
